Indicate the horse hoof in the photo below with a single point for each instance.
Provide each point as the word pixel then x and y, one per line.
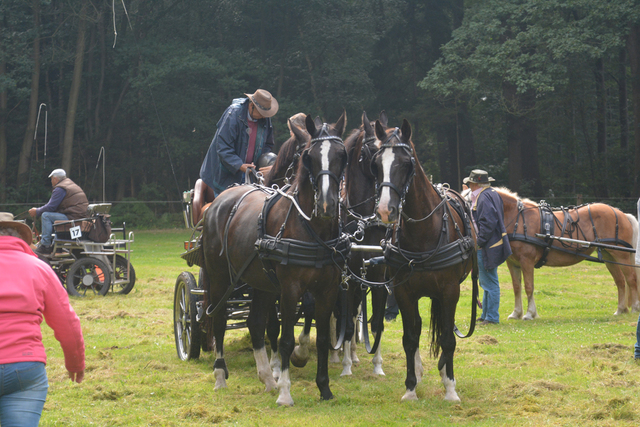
pixel 378 371
pixel 298 362
pixel 346 372
pixel 452 397
pixel 284 401
pixel 514 316
pixel 410 396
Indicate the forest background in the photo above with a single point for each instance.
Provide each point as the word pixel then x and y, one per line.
pixel 125 95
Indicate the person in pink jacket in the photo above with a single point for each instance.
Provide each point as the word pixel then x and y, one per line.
pixel 29 290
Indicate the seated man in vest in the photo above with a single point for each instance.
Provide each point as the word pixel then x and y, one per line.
pixel 67 202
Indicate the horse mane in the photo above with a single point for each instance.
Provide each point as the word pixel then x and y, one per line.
pixel 353 145
pixel 513 194
pixel 287 151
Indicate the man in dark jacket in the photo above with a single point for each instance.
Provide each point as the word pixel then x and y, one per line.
pixel 244 133
pixel 488 218
pixel 67 202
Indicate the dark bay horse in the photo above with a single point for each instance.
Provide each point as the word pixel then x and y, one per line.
pixel 596 222
pixel 359 197
pixel 431 253
pixel 266 242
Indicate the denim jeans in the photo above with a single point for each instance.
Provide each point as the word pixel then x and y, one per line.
pixel 48 218
pixel 23 390
pixel 491 286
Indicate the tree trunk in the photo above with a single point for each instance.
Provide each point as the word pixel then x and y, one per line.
pixel 27 141
pixel 67 145
pixel 623 105
pixel 522 142
pixel 3 139
pixel 633 47
pixel 601 107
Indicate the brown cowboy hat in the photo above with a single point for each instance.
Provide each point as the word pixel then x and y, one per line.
pixel 6 220
pixel 265 103
pixel 478 176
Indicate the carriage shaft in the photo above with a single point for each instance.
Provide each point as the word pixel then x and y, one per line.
pixel 586 243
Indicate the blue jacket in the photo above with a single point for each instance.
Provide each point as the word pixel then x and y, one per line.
pixel 488 213
pixel 228 150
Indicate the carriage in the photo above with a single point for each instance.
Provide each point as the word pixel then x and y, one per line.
pixel 87 266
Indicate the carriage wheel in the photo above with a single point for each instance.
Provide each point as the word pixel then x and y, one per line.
pixel 121 274
pixel 88 275
pixel 185 327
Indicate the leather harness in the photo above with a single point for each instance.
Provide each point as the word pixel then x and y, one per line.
pixel 548 221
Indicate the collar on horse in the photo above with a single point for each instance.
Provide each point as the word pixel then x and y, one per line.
pixel 285 251
pixel 445 254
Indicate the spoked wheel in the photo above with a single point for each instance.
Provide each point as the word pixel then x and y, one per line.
pixel 121 274
pixel 185 327
pixel 88 275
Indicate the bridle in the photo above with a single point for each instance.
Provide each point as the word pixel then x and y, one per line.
pixel 306 161
pixel 402 193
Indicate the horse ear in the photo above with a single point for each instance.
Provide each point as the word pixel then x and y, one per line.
pixel 380 133
pixel 384 119
pixel 406 129
pixel 318 122
pixel 341 123
pixel 368 130
pixel 311 125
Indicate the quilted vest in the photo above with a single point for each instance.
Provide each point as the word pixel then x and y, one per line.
pixel 75 203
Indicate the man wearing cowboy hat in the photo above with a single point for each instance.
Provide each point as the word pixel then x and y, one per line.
pixel 244 133
pixel 29 291
pixel 488 217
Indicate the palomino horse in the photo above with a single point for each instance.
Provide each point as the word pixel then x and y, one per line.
pixel 597 223
pixel 280 243
pixel 431 253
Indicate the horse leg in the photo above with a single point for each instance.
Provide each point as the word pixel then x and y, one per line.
pixel 631 277
pixel 256 323
pixel 347 360
pixel 532 311
pixel 300 354
pixel 619 279
pixel 273 331
pixel 516 281
pixel 335 354
pixel 378 303
pixel 324 307
pixel 288 316
pixel 412 326
pixel 448 346
pixel 219 320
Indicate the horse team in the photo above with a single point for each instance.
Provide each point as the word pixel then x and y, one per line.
pixel 288 240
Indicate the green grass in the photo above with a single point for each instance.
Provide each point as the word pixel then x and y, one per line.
pixel 573 366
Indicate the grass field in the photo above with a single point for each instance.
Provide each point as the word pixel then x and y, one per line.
pixel 573 366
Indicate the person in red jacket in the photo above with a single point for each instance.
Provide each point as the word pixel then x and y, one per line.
pixel 29 291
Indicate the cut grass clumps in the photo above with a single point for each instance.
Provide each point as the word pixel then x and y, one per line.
pixel 572 366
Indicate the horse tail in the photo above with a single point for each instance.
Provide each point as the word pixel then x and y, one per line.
pixel 436 327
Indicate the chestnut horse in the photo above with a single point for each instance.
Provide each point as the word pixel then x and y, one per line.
pixel 432 251
pixel 596 222
pixel 269 249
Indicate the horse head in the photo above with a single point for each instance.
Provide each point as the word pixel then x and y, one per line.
pixel 394 168
pixel 324 161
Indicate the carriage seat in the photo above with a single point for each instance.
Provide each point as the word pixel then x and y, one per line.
pixel 62 228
